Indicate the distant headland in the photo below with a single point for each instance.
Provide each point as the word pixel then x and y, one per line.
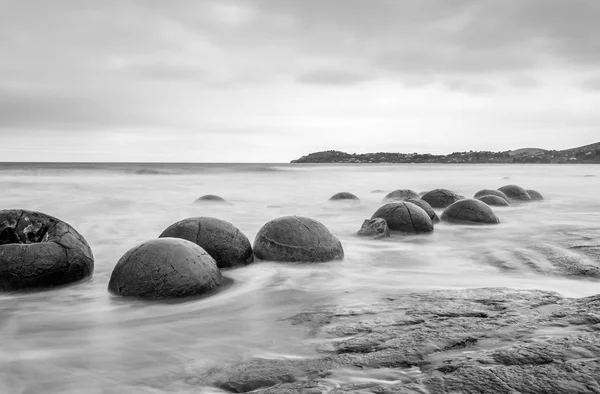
pixel 588 154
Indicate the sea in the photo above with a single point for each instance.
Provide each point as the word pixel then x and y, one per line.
pixel 82 339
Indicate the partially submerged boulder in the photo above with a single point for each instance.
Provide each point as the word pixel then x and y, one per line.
pixel 470 211
pixel 376 228
pixel 490 192
pixel 297 239
pixel 441 198
pixel 40 251
pixel 535 195
pixel 515 192
pixel 424 205
pixel 221 239
pixel 210 199
pixel 165 268
pixel 494 201
pixel 405 217
pixel 344 196
pixel 400 195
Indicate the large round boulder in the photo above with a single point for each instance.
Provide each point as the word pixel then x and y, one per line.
pixel 297 239
pixel 441 198
pixel 494 201
pixel 535 195
pixel 424 205
pixel 401 195
pixel 210 199
pixel 490 192
pixel 470 211
pixel 221 239
pixel 165 268
pixel 344 196
pixel 40 251
pixel 405 217
pixel 515 192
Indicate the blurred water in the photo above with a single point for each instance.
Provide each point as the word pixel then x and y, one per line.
pixel 82 340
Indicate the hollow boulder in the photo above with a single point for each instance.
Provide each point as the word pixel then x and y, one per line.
pixel 494 201
pixel 400 195
pixel 344 196
pixel 221 239
pixel 40 251
pixel 441 198
pixel 470 211
pixel 424 205
pixel 515 192
pixel 376 228
pixel 297 239
pixel 405 217
pixel 165 268
pixel 490 192
pixel 535 196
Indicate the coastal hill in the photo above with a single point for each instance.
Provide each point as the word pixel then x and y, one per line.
pixel 588 154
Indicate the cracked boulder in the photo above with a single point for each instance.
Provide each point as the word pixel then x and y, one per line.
pixel 40 251
pixel 424 205
pixel 344 196
pixel 494 201
pixel 297 239
pixel 535 195
pixel 401 195
pixel 210 199
pixel 376 228
pixel 405 217
pixel 165 268
pixel 515 192
pixel 490 192
pixel 441 198
pixel 470 211
pixel 221 239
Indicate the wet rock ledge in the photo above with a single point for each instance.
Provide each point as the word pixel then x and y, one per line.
pixel 491 340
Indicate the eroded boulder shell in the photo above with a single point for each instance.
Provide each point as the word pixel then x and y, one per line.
pixel 40 251
pixel 165 268
pixel 344 196
pixel 401 195
pixel 535 196
pixel 221 239
pixel 405 217
pixel 441 198
pixel 494 201
pixel 424 205
pixel 297 239
pixel 490 192
pixel 515 192
pixel 376 228
pixel 470 211
pixel 210 199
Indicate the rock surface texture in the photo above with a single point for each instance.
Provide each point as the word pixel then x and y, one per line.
pixel 210 198
pixel 424 205
pixel 165 268
pixel 470 211
pixel 40 251
pixel 401 195
pixel 344 196
pixel 405 217
pixel 376 228
pixel 441 198
pixel 297 239
pixel 494 201
pixel 535 196
pixel 490 192
pixel 515 192
pixel 221 239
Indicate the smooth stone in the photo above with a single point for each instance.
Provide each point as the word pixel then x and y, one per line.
pixel 441 198
pixel 535 195
pixel 221 239
pixel 376 228
pixel 490 192
pixel 297 239
pixel 405 217
pixel 470 211
pixel 515 192
pixel 344 196
pixel 494 201
pixel 424 205
pixel 165 268
pixel 401 195
pixel 210 198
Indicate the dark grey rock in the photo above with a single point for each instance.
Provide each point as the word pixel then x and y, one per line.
pixel 344 196
pixel 297 239
pixel 441 198
pixel 494 201
pixel 535 196
pixel 377 191
pixel 40 251
pixel 210 199
pixel 424 205
pixel 470 211
pixel 401 195
pixel 490 192
pixel 515 192
pixel 405 217
pixel 221 239
pixel 165 268
pixel 376 228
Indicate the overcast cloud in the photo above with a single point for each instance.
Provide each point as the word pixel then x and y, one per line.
pixel 271 80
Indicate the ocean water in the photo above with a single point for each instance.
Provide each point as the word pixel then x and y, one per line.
pixel 81 339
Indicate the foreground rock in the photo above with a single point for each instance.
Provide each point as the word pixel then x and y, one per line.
pixel 494 201
pixel 424 205
pixel 405 217
pixel 40 251
pixel 535 196
pixel 165 268
pixel 470 211
pixel 441 198
pixel 515 192
pixel 376 228
pixel 297 239
pixel 344 196
pixel 210 199
pixel 221 239
pixel 490 192
pixel 492 340
pixel 401 195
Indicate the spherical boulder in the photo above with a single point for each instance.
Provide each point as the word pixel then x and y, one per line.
pixel 405 217
pixel 210 199
pixel 40 251
pixel 376 228
pixel 470 211
pixel 515 192
pixel 494 201
pixel 221 239
pixel 535 196
pixel 441 198
pixel 490 192
pixel 424 205
pixel 165 268
pixel 401 195
pixel 297 239
pixel 344 196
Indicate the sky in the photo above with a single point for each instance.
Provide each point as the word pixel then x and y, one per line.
pixel 272 80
